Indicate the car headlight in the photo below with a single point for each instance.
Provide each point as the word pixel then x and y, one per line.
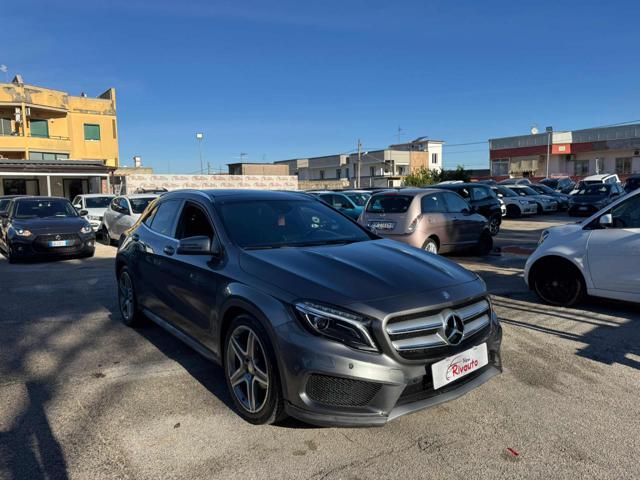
pixel 23 232
pixel 543 236
pixel 345 327
pixel 523 202
pixel 86 229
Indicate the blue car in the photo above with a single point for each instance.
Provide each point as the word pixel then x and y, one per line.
pixel 341 202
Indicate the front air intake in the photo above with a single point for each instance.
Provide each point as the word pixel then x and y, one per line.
pixel 337 391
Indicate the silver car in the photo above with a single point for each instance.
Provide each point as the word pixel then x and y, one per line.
pixel 95 204
pixel 515 205
pixel 545 203
pixel 122 213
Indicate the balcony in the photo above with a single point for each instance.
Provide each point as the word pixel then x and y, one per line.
pixel 21 143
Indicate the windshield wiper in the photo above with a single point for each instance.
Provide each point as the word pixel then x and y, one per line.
pixel 343 241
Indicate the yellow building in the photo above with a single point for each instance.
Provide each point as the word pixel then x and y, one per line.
pixel 53 143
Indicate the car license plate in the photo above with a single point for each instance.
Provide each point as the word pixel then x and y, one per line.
pixel 583 208
pixel 382 225
pixel 58 243
pixel 457 366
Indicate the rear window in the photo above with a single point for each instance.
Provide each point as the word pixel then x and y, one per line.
pixel 139 204
pixel 389 203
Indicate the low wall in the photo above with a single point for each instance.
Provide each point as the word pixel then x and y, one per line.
pixel 177 182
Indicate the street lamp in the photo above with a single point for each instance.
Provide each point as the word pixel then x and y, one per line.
pixel 549 133
pixel 199 137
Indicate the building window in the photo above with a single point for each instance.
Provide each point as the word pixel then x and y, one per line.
pixel 48 156
pixel 39 128
pixel 401 170
pixel 346 173
pixel 434 158
pixel 5 126
pixel 623 165
pixel 500 168
pixel 338 172
pixel 91 131
pixel 372 171
pixel 321 174
pixel 581 167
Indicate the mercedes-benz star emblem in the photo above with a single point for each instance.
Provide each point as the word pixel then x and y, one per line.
pixel 58 237
pixel 453 329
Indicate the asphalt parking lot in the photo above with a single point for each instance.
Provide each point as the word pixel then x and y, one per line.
pixel 82 396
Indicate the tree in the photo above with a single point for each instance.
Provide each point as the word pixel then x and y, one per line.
pixel 423 176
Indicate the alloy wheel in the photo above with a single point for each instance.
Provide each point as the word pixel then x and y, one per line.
pixel 247 369
pixel 558 290
pixel 494 225
pixel 125 296
pixel 431 247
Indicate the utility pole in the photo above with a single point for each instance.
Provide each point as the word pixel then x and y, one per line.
pixel 199 137
pixel 359 159
pixel 549 133
pixel 208 168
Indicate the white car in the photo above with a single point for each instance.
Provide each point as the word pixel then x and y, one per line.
pixel 602 178
pixel 598 257
pixel 515 206
pixel 95 204
pixel 123 212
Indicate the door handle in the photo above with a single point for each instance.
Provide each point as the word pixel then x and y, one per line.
pixel 169 250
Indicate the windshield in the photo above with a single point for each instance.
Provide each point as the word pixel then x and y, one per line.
pixel 506 192
pixel 524 191
pixel 139 204
pixel 389 203
pixel 594 189
pixel 97 202
pixel 44 209
pixel 360 199
pixel 550 183
pixel 255 224
pixel 544 189
pixel 4 203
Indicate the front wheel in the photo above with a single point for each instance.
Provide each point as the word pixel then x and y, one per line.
pixel 251 372
pixel 559 287
pixel 430 246
pixel 494 225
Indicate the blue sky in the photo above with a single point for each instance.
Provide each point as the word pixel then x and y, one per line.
pixel 288 79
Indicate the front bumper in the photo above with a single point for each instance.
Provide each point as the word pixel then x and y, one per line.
pixel 29 248
pixel 372 388
pixel 550 207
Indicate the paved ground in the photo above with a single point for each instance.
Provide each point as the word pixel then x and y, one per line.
pixel 83 397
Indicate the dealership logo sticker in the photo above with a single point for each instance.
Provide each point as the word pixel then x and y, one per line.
pixel 459 366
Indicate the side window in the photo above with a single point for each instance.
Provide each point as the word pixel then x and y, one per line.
pixel 480 193
pixel 123 205
pixel 455 203
pixel 77 201
pixel 165 217
pixel 627 213
pixel 341 202
pixel 433 203
pixel 147 219
pixel 193 222
pixel 464 193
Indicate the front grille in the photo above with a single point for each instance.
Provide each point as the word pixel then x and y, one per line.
pixel 41 243
pixel 337 391
pixel 422 335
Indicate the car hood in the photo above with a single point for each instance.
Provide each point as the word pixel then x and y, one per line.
pixel 343 274
pixel 96 212
pixel 51 225
pixel 589 199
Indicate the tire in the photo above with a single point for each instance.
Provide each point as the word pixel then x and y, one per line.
pixel 127 302
pixel 494 225
pixel 540 209
pixel 561 287
pixel 485 243
pixel 251 373
pixel 431 246
pixel 513 211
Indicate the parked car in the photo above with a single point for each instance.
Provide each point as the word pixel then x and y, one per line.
pixel 561 198
pixel 341 202
pixel 122 213
pixel 34 227
pixel 597 256
pixel 481 199
pixel 359 197
pixel 308 313
pixel 591 198
pixel 5 200
pixel 632 183
pixel 515 181
pixel 433 220
pixel 545 203
pixel 515 205
pixel 95 204
pixel 561 184
pixel 595 179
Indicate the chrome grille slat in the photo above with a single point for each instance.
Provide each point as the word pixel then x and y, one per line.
pixel 427 331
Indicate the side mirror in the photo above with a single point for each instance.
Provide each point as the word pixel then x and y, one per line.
pixel 466 211
pixel 83 213
pixel 500 195
pixel 200 245
pixel 606 220
pixel 77 206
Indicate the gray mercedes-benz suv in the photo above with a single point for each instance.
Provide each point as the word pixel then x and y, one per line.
pixel 308 313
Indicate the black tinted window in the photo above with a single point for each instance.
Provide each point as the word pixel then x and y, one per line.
pixel 4 204
pixel 455 203
pixel 389 203
pixel 627 214
pixel 139 204
pixel 96 202
pixel 481 193
pixel 434 203
pixel 280 223
pixel 165 217
pixel 193 222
